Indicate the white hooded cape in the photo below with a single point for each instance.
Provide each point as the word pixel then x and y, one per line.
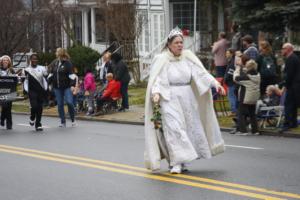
pixel 153 152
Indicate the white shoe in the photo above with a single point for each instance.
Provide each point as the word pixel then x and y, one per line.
pixel 241 133
pixel 74 124
pixel 62 125
pixel 31 122
pixel 257 133
pixel 176 169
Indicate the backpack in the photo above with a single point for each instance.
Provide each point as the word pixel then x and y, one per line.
pixel 268 68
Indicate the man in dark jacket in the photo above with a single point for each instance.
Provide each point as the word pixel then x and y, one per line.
pixel 292 84
pixel 121 73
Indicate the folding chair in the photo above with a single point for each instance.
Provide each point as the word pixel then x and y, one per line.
pixel 220 100
pixel 271 115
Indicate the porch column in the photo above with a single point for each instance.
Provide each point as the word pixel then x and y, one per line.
pixel 64 39
pixel 85 28
pixel 93 25
pixel 167 17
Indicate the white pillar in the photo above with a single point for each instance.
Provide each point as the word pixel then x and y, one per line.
pixel 93 25
pixel 167 17
pixel 64 39
pixel 71 29
pixel 44 37
pixel 195 24
pixel 85 28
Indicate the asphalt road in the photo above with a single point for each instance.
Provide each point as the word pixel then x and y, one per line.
pixel 105 161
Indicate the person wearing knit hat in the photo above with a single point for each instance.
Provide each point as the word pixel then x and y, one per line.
pixel 6 70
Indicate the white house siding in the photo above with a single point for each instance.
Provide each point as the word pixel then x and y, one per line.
pixel 154 26
pixel 160 16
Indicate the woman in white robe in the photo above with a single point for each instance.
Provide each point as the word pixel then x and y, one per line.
pixel 182 86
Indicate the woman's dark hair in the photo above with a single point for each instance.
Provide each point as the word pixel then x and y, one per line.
pixel 244 59
pixel 235 27
pixel 248 39
pixel 170 40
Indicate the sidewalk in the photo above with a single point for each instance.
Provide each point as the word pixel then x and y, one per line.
pixel 135 116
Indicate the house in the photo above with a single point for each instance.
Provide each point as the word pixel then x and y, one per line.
pixel 156 18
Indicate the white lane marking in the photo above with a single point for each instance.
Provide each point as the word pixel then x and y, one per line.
pixel 30 126
pixel 243 147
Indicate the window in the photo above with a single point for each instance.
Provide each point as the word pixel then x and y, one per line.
pixel 100 26
pixel 156 39
pixel 183 15
pixel 144 35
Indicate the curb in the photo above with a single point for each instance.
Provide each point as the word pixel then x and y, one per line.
pixel 116 121
pixel 287 134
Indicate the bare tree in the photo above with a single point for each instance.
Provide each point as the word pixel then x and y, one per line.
pixel 14 24
pixel 121 20
pixel 64 14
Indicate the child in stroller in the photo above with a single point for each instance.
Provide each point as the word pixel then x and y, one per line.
pixel 81 97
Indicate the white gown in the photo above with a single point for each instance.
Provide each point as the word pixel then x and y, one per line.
pixel 182 128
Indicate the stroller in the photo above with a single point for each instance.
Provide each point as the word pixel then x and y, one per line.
pixel 81 102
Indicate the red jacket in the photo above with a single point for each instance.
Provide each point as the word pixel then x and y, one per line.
pixel 112 90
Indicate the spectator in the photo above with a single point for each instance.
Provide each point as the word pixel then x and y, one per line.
pixel 267 66
pixel 249 81
pixel 106 67
pixel 236 41
pixel 6 70
pixel 61 77
pixel 292 85
pixel 240 62
pixel 250 48
pixel 219 51
pixel 111 92
pixel 228 79
pixel 89 88
pixel 75 89
pixel 121 74
pixel 273 96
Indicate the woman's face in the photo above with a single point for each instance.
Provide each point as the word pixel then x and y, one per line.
pixel 58 53
pixel 262 50
pixel 228 54
pixel 238 60
pixel 5 63
pixel 176 46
